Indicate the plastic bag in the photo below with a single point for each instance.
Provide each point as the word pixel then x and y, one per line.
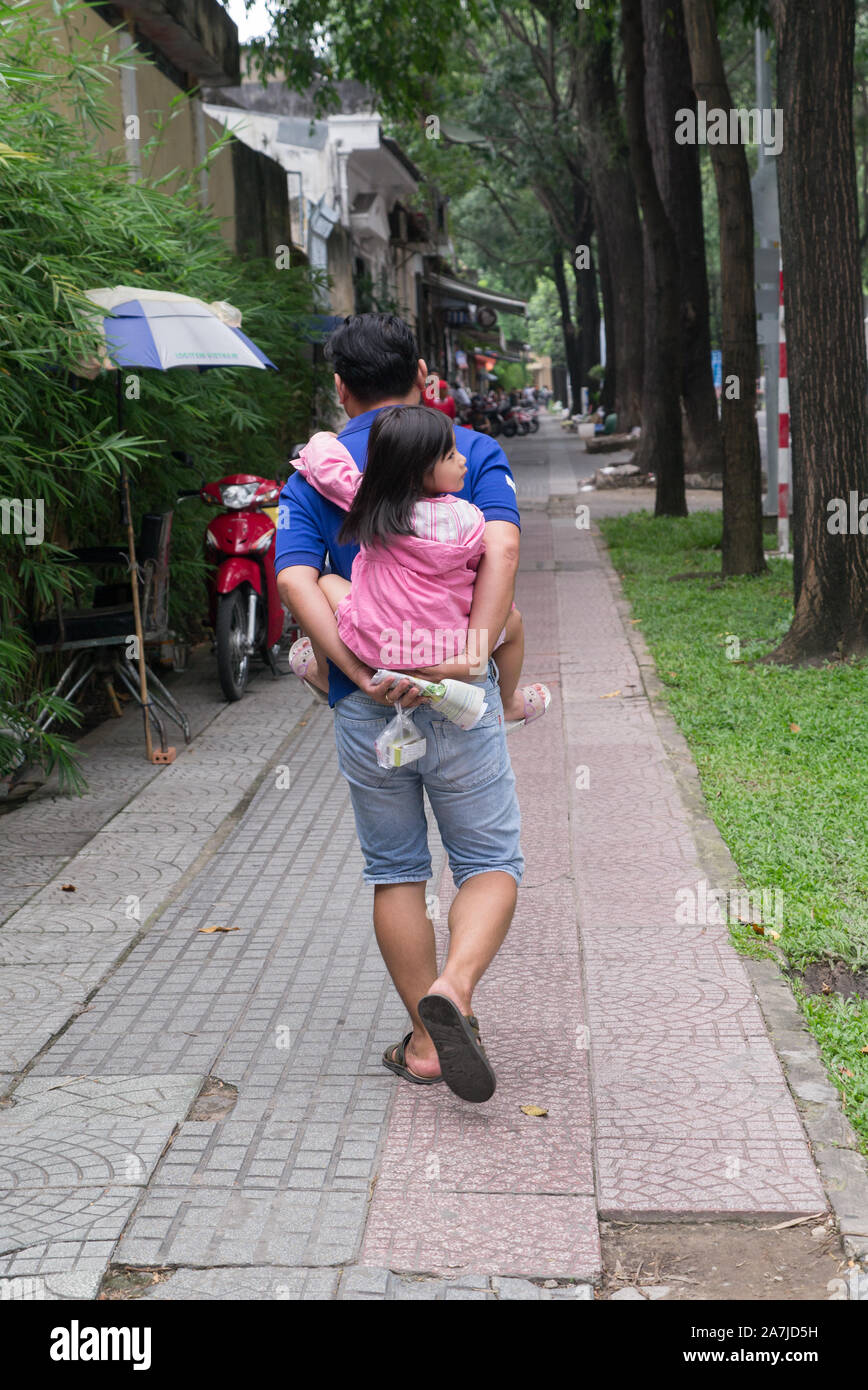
pixel 400 742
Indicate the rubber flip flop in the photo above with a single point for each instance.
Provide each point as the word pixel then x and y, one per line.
pixel 395 1059
pixel 463 1063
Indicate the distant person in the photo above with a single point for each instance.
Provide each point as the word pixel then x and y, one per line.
pixel 441 399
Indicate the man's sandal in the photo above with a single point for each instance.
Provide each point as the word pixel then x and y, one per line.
pixel 463 1063
pixel 395 1059
pixel 300 657
pixel 537 699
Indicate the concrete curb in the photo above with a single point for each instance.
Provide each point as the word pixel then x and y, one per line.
pixel 833 1142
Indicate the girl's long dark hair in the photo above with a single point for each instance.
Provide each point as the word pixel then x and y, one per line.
pixel 405 441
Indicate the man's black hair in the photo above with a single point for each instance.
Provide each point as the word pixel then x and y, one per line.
pixel 405 441
pixel 375 355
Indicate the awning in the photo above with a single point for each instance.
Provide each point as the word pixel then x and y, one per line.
pixel 474 294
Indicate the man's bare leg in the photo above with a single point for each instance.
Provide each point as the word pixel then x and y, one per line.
pixel 405 936
pixel 479 919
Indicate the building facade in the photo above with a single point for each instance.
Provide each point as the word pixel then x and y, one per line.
pixel 176 47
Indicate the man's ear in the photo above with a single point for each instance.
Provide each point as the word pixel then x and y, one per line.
pixel 422 374
pixel 341 389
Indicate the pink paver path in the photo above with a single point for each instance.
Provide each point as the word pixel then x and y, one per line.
pixel 664 1094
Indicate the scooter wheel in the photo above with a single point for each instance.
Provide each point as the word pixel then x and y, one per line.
pixel 534 426
pixel 509 429
pixel 230 634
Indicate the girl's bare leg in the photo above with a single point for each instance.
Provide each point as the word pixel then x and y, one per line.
pixel 509 657
pixel 334 589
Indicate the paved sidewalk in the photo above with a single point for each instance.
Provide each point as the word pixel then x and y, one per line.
pixel 327 1178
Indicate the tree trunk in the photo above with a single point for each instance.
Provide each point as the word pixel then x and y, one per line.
pixel 587 303
pixel 572 347
pixel 609 389
pixel 828 377
pixel 668 89
pixel 742 476
pixel 662 447
pixel 616 217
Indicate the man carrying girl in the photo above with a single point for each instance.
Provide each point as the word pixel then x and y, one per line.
pixel 464 498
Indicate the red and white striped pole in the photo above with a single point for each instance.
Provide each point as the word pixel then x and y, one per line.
pixel 783 432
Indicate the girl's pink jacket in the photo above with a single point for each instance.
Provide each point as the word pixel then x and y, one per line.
pixel 410 598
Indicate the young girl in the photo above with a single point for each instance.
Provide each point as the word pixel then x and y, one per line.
pixel 412 580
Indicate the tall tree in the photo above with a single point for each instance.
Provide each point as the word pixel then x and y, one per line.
pixel 609 388
pixel 587 289
pixel 669 90
pixel 828 377
pixel 619 231
pixel 529 112
pixel 742 476
pixel 572 345
pixel 662 444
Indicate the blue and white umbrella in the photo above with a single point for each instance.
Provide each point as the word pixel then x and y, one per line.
pixel 159 329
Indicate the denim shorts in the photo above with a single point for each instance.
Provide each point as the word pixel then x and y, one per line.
pixel 466 774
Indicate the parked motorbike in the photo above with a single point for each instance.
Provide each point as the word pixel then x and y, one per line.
pixel 481 416
pixel 244 609
pixel 515 421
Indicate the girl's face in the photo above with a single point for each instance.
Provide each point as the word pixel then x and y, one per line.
pixel 447 475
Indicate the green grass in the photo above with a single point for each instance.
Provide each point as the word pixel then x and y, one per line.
pixel 791 803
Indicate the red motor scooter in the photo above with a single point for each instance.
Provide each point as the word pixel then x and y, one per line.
pixel 244 608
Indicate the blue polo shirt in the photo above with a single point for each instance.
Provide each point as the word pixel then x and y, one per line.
pixel 308 524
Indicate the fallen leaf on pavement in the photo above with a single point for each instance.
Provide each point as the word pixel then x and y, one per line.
pixel 535 1110
pixel 207 930
pixel 611 695
pixel 67 887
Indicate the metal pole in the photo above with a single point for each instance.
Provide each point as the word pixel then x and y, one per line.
pixel 783 437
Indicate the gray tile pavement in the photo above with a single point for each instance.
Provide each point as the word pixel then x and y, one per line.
pixel 58 946
pixel 294 1009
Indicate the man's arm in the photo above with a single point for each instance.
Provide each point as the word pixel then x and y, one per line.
pixel 492 598
pixel 299 591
